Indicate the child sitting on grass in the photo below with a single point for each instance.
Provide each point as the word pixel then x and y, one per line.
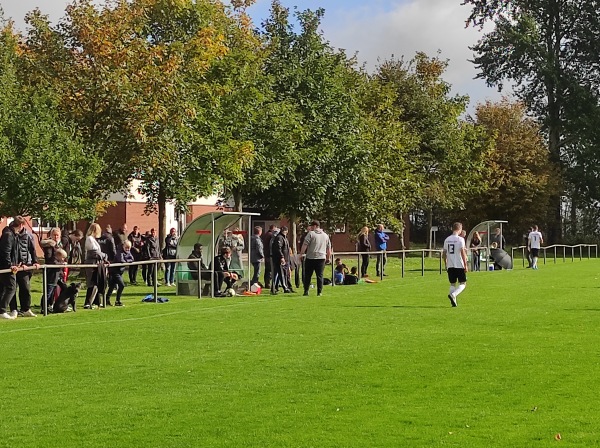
pixel 340 272
pixel 352 277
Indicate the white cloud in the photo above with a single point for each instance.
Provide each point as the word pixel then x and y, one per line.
pixel 376 29
pixel 417 25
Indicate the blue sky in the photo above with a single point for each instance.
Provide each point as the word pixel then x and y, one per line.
pixel 373 29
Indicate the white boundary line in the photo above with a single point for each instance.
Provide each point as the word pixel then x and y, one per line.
pixel 154 316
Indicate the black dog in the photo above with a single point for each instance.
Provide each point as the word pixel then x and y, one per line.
pixel 67 296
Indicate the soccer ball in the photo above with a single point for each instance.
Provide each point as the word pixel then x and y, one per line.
pixel 230 292
pixel 255 288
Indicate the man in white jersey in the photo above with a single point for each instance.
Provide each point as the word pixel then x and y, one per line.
pixel 455 258
pixel 535 241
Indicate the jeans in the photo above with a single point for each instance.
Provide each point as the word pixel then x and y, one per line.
pixel 49 297
pixel 115 280
pixel 133 270
pixel 256 272
pixel 169 273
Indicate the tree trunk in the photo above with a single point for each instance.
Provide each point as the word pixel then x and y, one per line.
pixel 162 216
pixel 237 200
pixel 293 232
pixel 553 41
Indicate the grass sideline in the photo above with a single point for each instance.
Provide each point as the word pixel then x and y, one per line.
pixel 382 365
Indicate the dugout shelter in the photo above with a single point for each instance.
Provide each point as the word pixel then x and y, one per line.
pixel 210 230
pixel 486 230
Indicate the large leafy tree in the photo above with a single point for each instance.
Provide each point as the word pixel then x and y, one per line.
pixel 521 176
pixel 549 50
pixel 130 74
pixel 44 171
pixel 312 78
pixel 447 156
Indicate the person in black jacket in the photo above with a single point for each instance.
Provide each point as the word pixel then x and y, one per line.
pixel 170 253
pixel 223 273
pixel 267 253
pixel 364 245
pixel 280 261
pixel 115 279
pixel 9 259
pixel 136 250
pixel 28 258
pixel 194 266
pixel 151 252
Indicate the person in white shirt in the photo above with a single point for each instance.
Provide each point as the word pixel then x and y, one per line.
pixel 455 258
pixel 535 241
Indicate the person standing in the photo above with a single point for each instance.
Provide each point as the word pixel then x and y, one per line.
pixel 115 280
pixel 93 255
pixel 257 254
pixel 475 243
pixel 317 250
pixel 529 259
pixel 381 240
pixel 455 258
pixel 28 258
pixel 535 243
pixel 136 250
pixel 9 259
pixel 280 262
pixel 364 245
pixel 120 236
pixel 151 252
pixel 170 253
pixel 267 252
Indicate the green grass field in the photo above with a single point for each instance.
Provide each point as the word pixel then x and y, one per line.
pixel 384 365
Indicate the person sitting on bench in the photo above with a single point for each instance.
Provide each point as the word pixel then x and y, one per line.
pixel 194 265
pixel 223 272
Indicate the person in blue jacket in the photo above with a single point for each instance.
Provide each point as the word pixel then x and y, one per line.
pixel 123 255
pixel 381 240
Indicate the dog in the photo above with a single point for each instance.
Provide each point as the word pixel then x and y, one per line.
pixel 68 296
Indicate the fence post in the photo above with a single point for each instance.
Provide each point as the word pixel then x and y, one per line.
pixel 589 251
pixel 402 263
pixel 580 253
pixel 544 255
pixel 155 274
pixel 554 254
pixel 564 254
pixel 44 291
pixel 423 263
pixel 572 253
pixel 441 261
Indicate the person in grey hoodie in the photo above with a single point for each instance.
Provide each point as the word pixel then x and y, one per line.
pixel 317 250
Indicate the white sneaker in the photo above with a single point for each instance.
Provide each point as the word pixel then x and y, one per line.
pixel 7 316
pixel 14 314
pixel 29 313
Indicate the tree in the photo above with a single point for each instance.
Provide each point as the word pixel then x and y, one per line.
pixel 521 176
pixel 448 153
pixel 548 49
pixel 130 74
pixel 44 170
pixel 313 79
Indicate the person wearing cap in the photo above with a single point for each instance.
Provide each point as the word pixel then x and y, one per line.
pixel 193 266
pixel 317 250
